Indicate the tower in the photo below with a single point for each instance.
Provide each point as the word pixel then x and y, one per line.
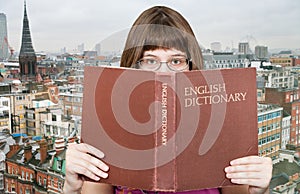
pixel 3 37
pixel 244 48
pixel 261 52
pixel 27 57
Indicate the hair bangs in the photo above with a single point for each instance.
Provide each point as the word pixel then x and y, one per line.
pixel 164 37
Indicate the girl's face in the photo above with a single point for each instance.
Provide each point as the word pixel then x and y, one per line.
pixel 164 60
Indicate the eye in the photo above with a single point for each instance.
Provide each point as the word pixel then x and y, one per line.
pixel 150 61
pixel 177 61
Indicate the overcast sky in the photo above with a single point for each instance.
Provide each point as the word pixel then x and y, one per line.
pixel 56 24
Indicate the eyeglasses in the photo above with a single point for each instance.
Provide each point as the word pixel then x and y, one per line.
pixel 174 64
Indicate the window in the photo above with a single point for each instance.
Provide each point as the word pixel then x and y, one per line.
pixel 20 98
pixel 59 186
pixel 30 115
pixel 259 118
pixel 1 181
pixel 4 103
pixel 45 182
pixel 59 164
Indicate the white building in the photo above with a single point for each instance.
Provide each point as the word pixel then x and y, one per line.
pixel 278 77
pixel 5 114
pixel 285 133
pixel 218 60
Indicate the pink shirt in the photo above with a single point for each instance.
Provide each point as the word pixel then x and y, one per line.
pixel 124 190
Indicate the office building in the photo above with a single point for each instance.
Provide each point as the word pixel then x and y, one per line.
pixel 269 129
pixel 261 52
pixel 3 38
pixel 244 48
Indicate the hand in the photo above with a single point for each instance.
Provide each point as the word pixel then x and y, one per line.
pixel 79 161
pixel 254 171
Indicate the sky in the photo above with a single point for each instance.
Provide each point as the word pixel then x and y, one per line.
pixel 56 24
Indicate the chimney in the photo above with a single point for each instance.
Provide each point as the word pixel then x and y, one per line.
pixel 72 140
pixel 59 145
pixel 13 150
pixel 27 152
pixel 43 150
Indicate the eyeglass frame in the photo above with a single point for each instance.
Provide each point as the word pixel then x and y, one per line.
pixel 188 62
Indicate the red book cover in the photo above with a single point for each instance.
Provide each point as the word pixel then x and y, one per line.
pixel 171 131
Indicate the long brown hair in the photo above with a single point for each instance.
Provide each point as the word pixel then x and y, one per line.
pixel 160 27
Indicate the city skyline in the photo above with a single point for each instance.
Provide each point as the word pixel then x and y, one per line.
pixel 58 24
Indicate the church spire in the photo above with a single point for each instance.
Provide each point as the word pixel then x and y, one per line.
pixel 27 57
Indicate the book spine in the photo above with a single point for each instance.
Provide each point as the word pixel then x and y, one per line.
pixel 164 172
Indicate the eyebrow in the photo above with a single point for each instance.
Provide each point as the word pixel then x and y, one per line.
pixel 175 55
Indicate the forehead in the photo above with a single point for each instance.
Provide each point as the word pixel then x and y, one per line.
pixel 164 52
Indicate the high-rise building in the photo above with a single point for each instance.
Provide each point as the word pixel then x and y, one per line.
pixel 261 52
pixel 80 48
pixel 27 57
pixel 98 49
pixel 3 37
pixel 216 46
pixel 244 48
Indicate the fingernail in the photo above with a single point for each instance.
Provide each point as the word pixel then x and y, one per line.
pixel 227 169
pixel 106 168
pixel 105 175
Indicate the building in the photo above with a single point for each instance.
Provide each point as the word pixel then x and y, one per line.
pixel 53 124
pixel 285 129
pixel 216 46
pixel 27 56
pixel 289 100
pixel 3 38
pixel 5 114
pixel 80 48
pixel 217 60
pixel 284 61
pixel 18 103
pixel 277 77
pixel 5 141
pixel 244 48
pixel 285 175
pixel 35 167
pixel 57 170
pixel 261 52
pixel 34 116
pixel 269 129
pixel 98 49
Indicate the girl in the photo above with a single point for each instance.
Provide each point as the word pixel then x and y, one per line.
pixel 159 40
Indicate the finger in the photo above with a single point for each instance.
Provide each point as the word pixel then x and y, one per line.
pixel 86 168
pixel 244 168
pixel 95 162
pixel 249 160
pixel 75 157
pixel 83 147
pixel 84 171
pixel 252 182
pixel 244 175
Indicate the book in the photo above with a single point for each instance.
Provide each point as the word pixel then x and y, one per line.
pixel 170 131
